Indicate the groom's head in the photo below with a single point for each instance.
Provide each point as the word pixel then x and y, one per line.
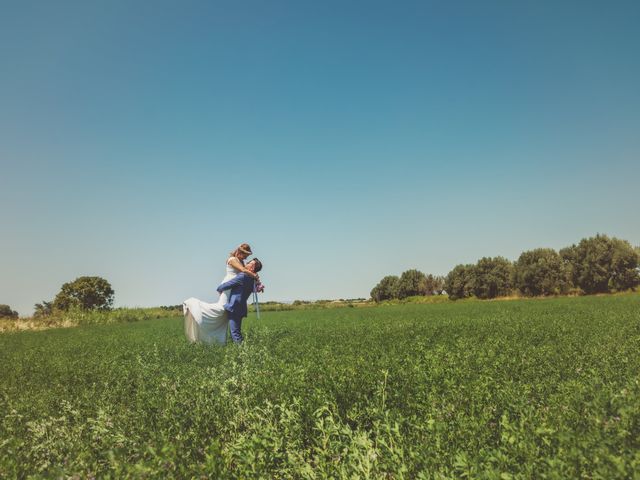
pixel 254 265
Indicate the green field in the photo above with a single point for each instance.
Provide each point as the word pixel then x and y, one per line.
pixel 513 389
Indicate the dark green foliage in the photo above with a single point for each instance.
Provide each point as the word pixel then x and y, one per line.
pixel 86 293
pixel 601 264
pixel 434 284
pixel 541 272
pixel 492 277
pixel 459 282
pixel 171 308
pixel 625 262
pixel 6 312
pixel 44 309
pixel 412 282
pixel 386 289
pixel 495 390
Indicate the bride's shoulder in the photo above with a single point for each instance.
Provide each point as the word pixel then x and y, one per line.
pixel 233 260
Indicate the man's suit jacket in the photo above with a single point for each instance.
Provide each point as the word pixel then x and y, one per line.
pixel 241 286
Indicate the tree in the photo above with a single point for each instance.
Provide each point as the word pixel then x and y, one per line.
pixel 386 289
pixel 600 264
pixel 541 272
pixel 459 282
pixel 434 285
pixel 569 257
pixel 6 312
pixel 624 266
pixel 87 293
pixel 492 277
pixel 43 309
pixel 412 282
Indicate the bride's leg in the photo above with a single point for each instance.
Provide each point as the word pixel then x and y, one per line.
pixel 223 298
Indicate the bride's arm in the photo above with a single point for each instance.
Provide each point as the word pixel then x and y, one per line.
pixel 235 263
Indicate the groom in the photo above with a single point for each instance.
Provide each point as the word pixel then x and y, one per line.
pixel 242 285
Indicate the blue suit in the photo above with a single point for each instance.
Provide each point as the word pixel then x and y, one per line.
pixel 241 286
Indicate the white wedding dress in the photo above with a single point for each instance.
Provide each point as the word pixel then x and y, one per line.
pixel 207 322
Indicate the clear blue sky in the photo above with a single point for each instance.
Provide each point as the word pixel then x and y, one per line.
pixel 142 141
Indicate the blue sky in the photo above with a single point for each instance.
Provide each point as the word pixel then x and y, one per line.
pixel 142 141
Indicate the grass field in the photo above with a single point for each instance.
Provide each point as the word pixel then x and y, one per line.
pixel 519 389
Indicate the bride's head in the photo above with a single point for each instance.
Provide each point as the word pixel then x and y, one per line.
pixel 242 252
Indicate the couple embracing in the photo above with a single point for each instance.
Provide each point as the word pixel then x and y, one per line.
pixel 208 322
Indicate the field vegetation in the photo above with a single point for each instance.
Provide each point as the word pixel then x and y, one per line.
pixel 77 316
pixel 545 388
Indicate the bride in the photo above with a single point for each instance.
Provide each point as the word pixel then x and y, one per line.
pixel 207 322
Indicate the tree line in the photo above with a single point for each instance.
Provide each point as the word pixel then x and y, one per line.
pixel 599 264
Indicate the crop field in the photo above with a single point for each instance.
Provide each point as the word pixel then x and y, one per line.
pixel 512 389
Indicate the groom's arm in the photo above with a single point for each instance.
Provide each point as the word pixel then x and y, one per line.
pixel 234 282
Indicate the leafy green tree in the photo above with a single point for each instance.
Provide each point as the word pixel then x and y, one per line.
pixel 43 309
pixel 493 277
pixel 386 289
pixel 459 282
pixel 541 272
pixel 412 282
pixel 86 293
pixel 6 312
pixel 624 266
pixel 600 264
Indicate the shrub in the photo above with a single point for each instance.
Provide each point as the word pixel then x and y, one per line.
pixel 6 312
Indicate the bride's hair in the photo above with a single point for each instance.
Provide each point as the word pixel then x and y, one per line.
pixel 243 248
